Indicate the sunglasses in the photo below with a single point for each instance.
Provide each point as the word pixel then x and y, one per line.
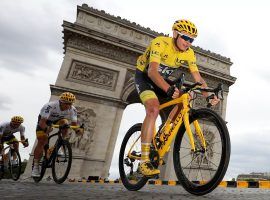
pixel 185 37
pixel 66 103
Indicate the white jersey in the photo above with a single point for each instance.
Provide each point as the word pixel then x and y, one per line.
pixel 6 130
pixel 52 112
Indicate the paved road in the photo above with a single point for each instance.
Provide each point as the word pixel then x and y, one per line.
pixel 50 191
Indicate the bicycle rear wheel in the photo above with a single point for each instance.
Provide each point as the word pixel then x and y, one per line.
pixel 42 167
pixel 201 171
pixel 61 162
pixel 128 167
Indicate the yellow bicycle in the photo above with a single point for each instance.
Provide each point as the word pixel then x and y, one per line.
pixel 201 150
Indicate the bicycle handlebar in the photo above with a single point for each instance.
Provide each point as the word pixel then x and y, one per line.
pixel 67 126
pixel 191 87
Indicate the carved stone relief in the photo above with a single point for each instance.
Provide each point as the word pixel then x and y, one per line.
pixel 96 76
pixel 83 143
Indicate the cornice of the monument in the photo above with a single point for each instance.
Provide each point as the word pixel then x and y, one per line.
pixel 119 20
pixel 148 31
pixel 74 28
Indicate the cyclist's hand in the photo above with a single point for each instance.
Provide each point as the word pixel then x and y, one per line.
pixel 173 92
pixel 49 129
pixel 25 143
pixel 64 126
pixel 79 131
pixel 213 100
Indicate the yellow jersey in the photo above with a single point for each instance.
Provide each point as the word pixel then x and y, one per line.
pixel 163 51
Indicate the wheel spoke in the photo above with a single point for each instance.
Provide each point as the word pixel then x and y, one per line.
pixel 198 173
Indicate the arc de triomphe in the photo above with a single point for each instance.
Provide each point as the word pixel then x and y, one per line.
pixel 98 67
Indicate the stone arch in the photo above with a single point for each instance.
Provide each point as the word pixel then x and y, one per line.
pixel 98 67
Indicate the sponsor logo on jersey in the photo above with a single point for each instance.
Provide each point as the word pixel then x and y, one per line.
pixel 157 44
pixel 47 110
pixel 137 88
pixel 165 70
pixel 155 53
pixel 180 62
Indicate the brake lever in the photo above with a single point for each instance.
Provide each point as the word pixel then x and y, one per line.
pixel 219 90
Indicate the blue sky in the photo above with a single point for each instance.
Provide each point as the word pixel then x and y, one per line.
pixel 31 54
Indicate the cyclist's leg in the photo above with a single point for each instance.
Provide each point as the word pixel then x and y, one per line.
pixel 151 103
pixel 42 139
pixel 152 111
pixel 64 132
pixel 62 122
pixel 14 141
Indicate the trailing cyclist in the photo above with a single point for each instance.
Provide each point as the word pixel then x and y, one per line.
pixel 156 71
pixel 61 112
pixel 7 130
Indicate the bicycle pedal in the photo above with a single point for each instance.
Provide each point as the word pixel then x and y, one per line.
pixel 153 176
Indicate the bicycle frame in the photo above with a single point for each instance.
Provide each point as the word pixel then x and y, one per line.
pixel 182 117
pixel 10 147
pixel 58 141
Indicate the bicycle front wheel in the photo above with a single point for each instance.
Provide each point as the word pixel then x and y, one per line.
pixel 201 171
pixel 61 162
pixel 15 164
pixel 131 178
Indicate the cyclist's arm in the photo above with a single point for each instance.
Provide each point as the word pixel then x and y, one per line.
pixel 22 130
pixel 154 75
pixel 197 78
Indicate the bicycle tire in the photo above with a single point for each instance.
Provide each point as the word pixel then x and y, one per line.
pixel 43 167
pixel 202 187
pixel 67 154
pixel 124 177
pixel 16 167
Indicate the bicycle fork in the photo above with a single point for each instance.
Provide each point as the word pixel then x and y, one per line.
pixel 198 131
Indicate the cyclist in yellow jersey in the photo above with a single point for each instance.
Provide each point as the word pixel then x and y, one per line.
pixel 154 77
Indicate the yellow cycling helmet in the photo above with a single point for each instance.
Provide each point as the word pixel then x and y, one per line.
pixel 185 25
pixel 67 97
pixel 17 119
